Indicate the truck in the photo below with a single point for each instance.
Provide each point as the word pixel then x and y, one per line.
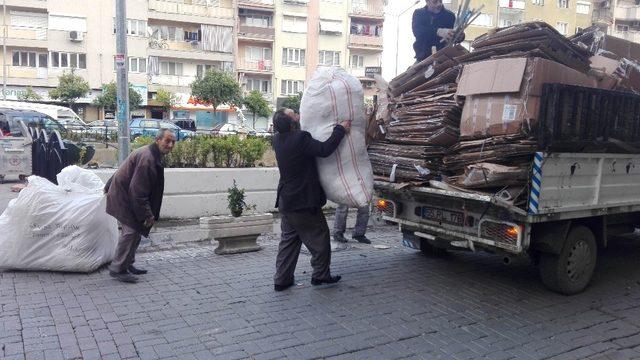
pixel 575 202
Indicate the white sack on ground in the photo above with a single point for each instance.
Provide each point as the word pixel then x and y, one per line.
pixel 58 227
pixel 334 96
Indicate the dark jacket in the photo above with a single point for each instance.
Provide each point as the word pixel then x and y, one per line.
pixel 425 27
pixel 296 151
pixel 134 192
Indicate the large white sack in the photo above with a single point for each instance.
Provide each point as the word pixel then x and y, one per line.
pixel 334 96
pixel 58 227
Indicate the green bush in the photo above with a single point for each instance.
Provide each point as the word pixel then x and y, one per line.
pixel 207 151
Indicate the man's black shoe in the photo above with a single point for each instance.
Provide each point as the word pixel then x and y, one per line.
pixel 124 277
pixel 135 271
pixel 329 280
pixel 277 287
pixel 362 239
pixel 339 238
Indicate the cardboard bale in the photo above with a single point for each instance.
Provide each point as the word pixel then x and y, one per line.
pixel 503 95
pixel 618 74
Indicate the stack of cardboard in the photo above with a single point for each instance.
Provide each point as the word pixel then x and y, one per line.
pixel 530 39
pixel 401 162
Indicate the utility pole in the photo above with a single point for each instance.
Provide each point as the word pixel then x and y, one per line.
pixel 122 103
pixel 4 50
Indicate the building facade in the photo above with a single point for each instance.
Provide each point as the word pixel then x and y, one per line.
pixel 621 18
pixel 273 46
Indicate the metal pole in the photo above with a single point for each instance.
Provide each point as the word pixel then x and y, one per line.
pixel 122 104
pixel 4 50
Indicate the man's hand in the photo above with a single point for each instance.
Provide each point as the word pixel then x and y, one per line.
pixel 346 124
pixel 445 34
pixel 149 222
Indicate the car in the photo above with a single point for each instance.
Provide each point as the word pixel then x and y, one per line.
pixel 9 122
pixel 102 126
pixel 150 127
pixel 73 124
pixel 186 124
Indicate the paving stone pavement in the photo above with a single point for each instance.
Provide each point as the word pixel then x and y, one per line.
pixel 392 303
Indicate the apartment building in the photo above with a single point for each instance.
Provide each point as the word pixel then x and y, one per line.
pixel 281 43
pixel 621 18
pixel 169 43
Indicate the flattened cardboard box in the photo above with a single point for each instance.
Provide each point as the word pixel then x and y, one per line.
pixel 503 95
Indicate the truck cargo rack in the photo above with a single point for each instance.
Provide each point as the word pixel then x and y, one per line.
pixel 576 119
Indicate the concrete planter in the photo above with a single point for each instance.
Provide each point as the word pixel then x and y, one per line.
pixel 237 234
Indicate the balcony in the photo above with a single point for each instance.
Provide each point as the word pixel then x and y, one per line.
pixel 368 11
pixel 631 13
pixel 365 42
pixel 255 66
pixel 173 80
pixel 171 11
pixel 516 5
pixel 256 33
pixel 256 4
pixel 185 50
pixel 26 4
pixel 27 38
pixel 633 36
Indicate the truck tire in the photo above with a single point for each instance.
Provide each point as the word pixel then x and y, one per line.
pixel 571 271
pixel 431 250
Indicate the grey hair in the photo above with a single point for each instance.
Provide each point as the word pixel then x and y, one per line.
pixel 162 132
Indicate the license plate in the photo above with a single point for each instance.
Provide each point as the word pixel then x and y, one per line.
pixel 443 216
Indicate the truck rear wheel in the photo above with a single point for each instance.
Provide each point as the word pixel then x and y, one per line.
pixel 571 271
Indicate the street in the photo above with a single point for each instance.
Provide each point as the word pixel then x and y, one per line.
pixel 391 303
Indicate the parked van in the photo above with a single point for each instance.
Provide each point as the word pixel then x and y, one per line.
pixel 9 122
pixel 63 115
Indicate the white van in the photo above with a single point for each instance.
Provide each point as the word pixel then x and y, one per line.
pixel 63 115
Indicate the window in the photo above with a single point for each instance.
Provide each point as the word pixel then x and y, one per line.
pixel 149 124
pixel 291 87
pixel 330 27
pixel 170 33
pixel 27 59
pixel 562 27
pixel 622 28
pixel 134 27
pixel 68 60
pixel 264 86
pixel 255 53
pixel 357 61
pixel 484 20
pixel 538 2
pixel 170 68
pixel 137 65
pixel 563 4
pixel 329 58
pixel 293 57
pixel 43 60
pixel 583 7
pixel 263 21
pixel 296 24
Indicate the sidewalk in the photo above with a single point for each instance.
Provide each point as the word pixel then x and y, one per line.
pixel 392 303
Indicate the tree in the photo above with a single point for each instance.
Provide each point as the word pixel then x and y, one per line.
pixel 70 88
pixel 216 88
pixel 108 98
pixel 293 102
pixel 29 95
pixel 256 104
pixel 167 99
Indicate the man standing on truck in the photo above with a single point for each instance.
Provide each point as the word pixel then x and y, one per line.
pixel 432 26
pixel 300 199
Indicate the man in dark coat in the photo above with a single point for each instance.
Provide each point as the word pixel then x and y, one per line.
pixel 432 26
pixel 134 198
pixel 300 199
